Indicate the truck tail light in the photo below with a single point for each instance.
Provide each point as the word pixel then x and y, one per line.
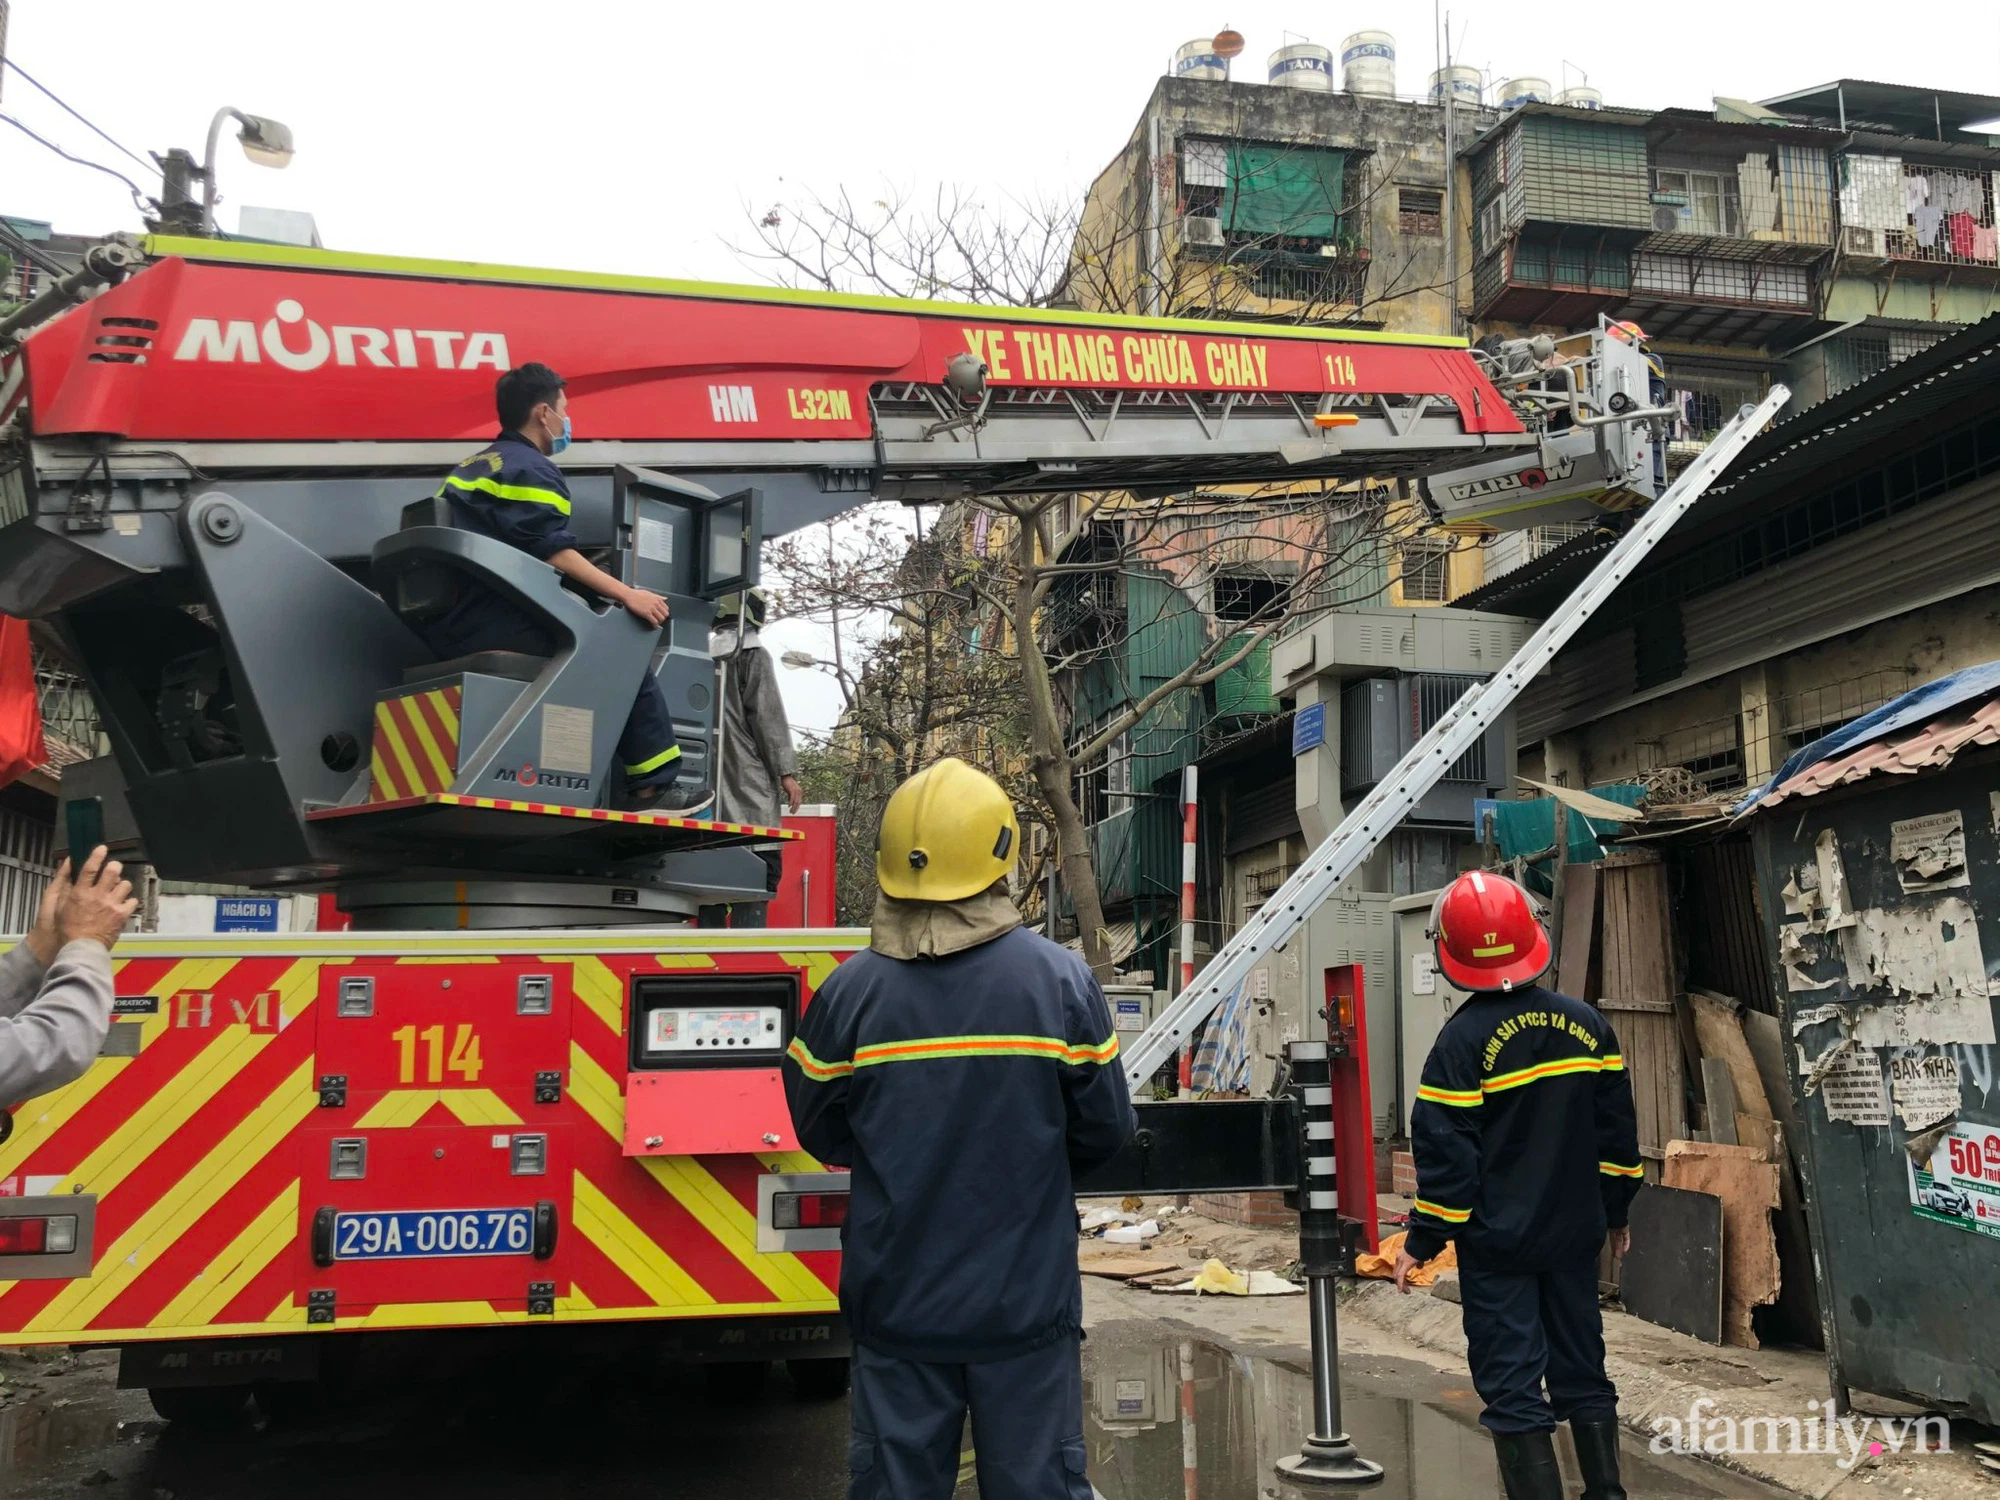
pixel 50 1236
pixel 808 1210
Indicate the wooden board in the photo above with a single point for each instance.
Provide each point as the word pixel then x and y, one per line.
pixel 1747 1184
pixel 1579 931
pixel 1720 1092
pixel 1125 1267
pixel 1673 1273
pixel 1721 1036
pixel 1637 993
pixel 1798 1296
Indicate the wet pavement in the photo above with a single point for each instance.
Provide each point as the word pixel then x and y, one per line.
pixel 519 1432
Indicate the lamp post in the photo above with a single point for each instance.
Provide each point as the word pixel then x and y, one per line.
pixel 265 141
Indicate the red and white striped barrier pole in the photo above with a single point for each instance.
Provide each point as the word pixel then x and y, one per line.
pixel 1187 910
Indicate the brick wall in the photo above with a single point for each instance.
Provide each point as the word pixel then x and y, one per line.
pixel 1403 1166
pixel 1258 1210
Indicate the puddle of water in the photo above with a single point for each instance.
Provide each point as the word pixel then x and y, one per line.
pixel 40 1434
pixel 1249 1411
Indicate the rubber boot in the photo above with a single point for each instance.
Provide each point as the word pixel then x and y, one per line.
pixel 1528 1465
pixel 1597 1456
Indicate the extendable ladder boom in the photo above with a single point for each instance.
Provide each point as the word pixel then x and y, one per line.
pixel 1276 923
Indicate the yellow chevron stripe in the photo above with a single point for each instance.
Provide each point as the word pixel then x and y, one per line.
pixel 379 789
pixel 470 958
pixel 789 1161
pixel 439 761
pixel 159 1117
pixel 816 965
pixel 628 1247
pixel 431 1315
pixel 287 1312
pixel 478 1107
pixel 126 1259
pixel 398 1109
pixel 575 1302
pixel 599 989
pixel 39 1119
pixel 592 1088
pixel 441 699
pixel 240 1262
pixel 733 1225
pixel 388 731
pixel 689 961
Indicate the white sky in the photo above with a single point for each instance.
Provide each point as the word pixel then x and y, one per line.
pixel 632 135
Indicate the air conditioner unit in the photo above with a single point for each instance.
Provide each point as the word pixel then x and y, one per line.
pixel 1856 239
pixel 1667 219
pixel 1202 232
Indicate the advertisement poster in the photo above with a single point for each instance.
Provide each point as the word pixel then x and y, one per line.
pixel 1961 1186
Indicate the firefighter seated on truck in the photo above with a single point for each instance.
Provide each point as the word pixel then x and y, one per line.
pixel 510 490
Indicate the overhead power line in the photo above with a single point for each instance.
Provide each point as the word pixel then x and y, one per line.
pixel 75 114
pixel 138 197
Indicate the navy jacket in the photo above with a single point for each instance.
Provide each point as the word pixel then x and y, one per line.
pixel 1526 1143
pixel 511 490
pixel 965 1092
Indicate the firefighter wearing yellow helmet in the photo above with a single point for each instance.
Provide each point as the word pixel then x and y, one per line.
pixel 965 1070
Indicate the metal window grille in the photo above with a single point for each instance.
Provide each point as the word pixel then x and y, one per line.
pixel 1948 219
pixel 1419 211
pixel 1722 280
pixel 1542 540
pixel 27 863
pixel 1425 566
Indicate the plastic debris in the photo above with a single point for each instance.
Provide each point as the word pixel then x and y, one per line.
pixel 1132 1234
pixel 1214 1276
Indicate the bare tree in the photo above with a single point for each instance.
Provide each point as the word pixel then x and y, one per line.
pixel 1027 575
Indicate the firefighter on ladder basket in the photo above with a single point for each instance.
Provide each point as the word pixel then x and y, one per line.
pixel 1527 1153
pixel 966 1069
pixel 511 490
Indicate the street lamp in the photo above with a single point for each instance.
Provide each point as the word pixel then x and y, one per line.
pixel 799 661
pixel 265 141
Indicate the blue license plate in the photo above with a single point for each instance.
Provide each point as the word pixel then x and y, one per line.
pixel 425 1234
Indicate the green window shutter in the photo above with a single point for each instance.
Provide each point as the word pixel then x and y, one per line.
pixel 1293 190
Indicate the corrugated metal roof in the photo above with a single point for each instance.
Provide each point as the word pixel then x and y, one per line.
pixel 1574 557
pixel 1930 749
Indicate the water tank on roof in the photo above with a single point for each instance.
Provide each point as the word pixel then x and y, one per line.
pixel 1463 85
pixel 1518 91
pixel 1581 97
pixel 1303 65
pixel 1199 59
pixel 1368 63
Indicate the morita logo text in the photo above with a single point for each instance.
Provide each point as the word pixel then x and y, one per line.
pixel 293 341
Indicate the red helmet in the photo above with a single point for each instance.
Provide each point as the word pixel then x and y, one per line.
pixel 1488 934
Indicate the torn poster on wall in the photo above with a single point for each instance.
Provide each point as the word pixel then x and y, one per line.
pixel 1929 955
pixel 1926 1090
pixel 1848 1080
pixel 1929 852
pixel 1961 1184
pixel 1801 948
pixel 1818 892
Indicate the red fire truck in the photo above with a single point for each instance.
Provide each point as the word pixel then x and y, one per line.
pixel 524 1092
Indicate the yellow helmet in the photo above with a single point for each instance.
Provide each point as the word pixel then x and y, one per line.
pixel 948 833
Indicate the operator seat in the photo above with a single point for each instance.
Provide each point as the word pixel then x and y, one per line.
pixel 550 722
pixel 420 591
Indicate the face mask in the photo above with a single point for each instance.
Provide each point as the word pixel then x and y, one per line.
pixel 561 439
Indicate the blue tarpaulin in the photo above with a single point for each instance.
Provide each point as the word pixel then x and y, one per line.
pixel 1917 706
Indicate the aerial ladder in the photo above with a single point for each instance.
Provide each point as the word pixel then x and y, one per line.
pixel 523 1090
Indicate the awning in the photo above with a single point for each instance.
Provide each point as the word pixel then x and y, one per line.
pixel 1956 712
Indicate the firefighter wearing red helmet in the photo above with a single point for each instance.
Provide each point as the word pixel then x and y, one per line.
pixel 1527 1153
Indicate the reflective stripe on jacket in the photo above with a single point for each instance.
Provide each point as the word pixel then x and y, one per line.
pixel 1523 1129
pixel 964 1092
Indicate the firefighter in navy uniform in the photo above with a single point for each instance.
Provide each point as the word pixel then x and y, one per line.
pixel 1527 1153
pixel 510 490
pixel 965 1069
